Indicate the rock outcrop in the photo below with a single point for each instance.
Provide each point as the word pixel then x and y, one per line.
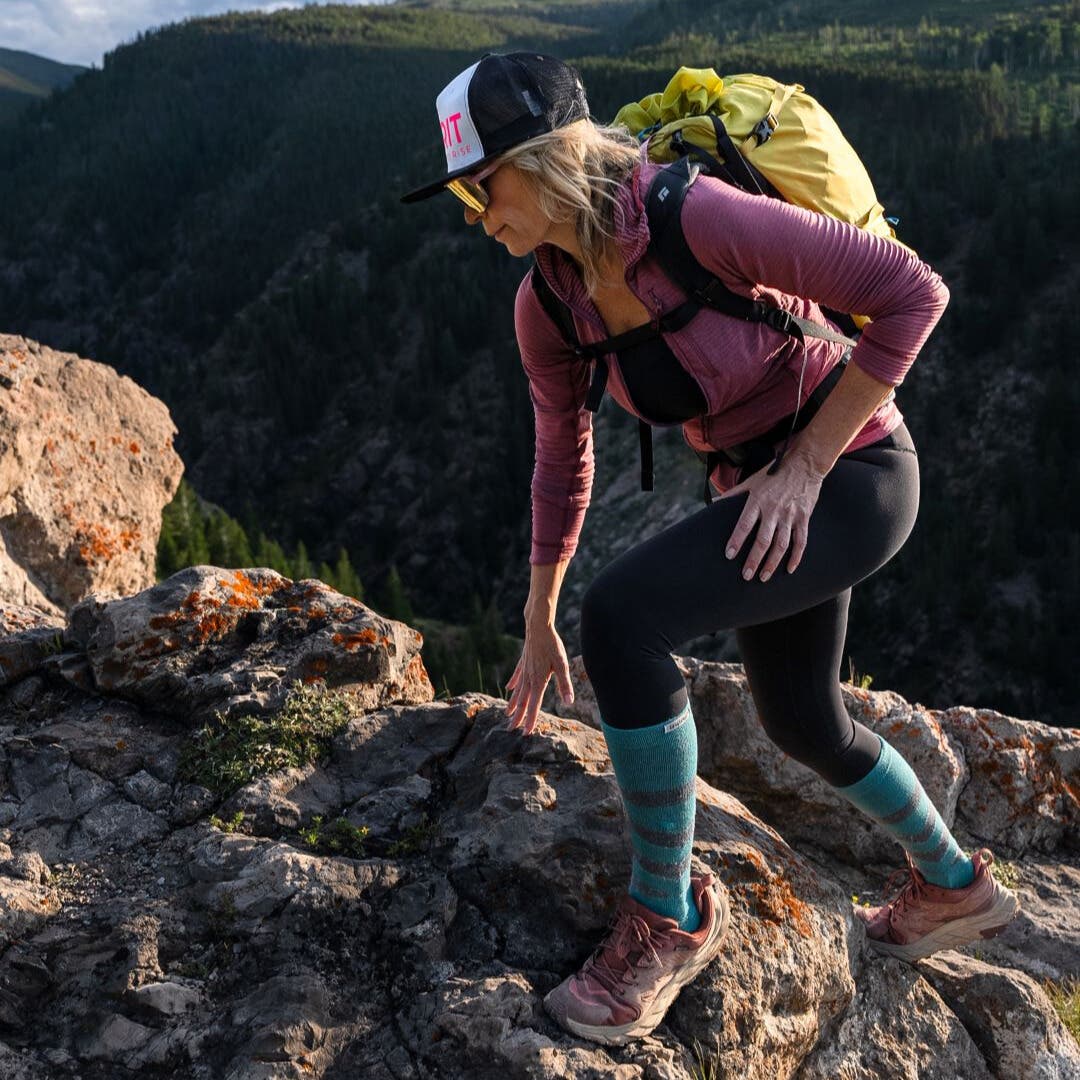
pixel 86 465
pixel 153 926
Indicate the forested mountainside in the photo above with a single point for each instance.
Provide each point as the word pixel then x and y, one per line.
pixel 25 78
pixel 215 213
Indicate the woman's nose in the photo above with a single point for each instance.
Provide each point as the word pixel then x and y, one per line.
pixel 471 216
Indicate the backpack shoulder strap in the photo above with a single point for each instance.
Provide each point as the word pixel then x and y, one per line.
pixel 557 311
pixel 563 318
pixel 663 205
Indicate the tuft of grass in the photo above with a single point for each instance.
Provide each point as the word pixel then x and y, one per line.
pixel 1065 997
pixel 1008 873
pixel 706 1069
pixel 226 754
pixel 52 645
pixel 230 826
pixel 339 837
pixel 417 838
pixel 860 682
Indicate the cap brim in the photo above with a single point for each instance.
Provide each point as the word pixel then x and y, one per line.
pixel 433 189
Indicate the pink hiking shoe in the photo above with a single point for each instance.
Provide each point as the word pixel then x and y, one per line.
pixel 925 918
pixel 624 989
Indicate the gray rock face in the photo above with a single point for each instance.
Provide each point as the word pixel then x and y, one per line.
pixel 1007 1014
pixel 150 926
pixel 86 465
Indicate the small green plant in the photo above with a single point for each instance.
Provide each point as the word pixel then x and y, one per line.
pixel 230 826
pixel 1065 997
pixel 340 837
pixel 860 682
pixel 417 838
pixel 53 645
pixel 1008 873
pixel 226 754
pixel 706 1069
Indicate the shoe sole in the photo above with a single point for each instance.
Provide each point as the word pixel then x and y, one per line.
pixel 957 932
pixel 655 1011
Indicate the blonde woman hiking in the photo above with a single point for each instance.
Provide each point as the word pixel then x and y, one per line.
pixel 775 557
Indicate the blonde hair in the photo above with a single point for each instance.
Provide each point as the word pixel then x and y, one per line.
pixel 574 172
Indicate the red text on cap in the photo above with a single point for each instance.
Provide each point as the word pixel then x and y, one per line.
pixel 446 125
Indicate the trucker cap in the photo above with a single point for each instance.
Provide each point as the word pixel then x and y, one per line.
pixel 502 101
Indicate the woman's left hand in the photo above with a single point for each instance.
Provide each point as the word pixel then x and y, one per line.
pixel 781 506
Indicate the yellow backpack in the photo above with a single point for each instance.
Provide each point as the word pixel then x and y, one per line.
pixel 765 136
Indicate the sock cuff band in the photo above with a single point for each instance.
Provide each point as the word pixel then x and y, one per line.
pixel 645 737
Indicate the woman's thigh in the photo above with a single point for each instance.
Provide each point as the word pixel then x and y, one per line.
pixel 680 585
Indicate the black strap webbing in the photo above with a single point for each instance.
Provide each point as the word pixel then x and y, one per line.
pixel 664 207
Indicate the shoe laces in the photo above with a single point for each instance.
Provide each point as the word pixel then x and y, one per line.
pixel 911 892
pixel 630 935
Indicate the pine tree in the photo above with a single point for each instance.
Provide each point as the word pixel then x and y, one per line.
pixel 346 579
pixel 395 603
pixel 302 567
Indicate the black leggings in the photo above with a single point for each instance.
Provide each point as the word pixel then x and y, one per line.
pixel 790 630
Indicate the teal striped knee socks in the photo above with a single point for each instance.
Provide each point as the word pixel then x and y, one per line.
pixel 893 796
pixel 656 768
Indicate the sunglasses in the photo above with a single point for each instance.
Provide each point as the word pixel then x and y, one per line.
pixel 469 190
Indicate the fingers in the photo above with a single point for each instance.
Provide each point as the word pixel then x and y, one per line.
pixel 780 543
pixel 762 542
pixel 566 688
pixel 743 528
pixel 513 680
pixel 798 545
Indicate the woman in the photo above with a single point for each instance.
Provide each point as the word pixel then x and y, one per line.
pixel 541 178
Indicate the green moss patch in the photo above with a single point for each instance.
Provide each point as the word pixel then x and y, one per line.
pixel 226 754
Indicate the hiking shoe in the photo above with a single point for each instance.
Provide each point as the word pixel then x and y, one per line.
pixel 624 989
pixel 925 918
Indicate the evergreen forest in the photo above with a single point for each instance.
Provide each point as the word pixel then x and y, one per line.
pixel 215 213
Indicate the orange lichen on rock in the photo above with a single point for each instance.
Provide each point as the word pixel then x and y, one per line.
pixel 133 447
pixel 354 641
pixel 775 900
pixel 416 670
pixel 96 542
pixel 247 593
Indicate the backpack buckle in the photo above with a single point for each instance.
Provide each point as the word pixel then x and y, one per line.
pixel 764 128
pixel 779 319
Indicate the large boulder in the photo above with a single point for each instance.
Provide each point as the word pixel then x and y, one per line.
pixel 86 465
pixel 208 640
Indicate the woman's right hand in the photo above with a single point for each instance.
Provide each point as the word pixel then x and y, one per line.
pixel 542 656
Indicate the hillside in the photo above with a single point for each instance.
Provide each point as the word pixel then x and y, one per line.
pixel 25 77
pixel 215 214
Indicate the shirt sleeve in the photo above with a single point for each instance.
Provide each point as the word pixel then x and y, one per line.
pixel 563 470
pixel 766 242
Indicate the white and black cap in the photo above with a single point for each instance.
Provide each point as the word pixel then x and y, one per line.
pixel 500 102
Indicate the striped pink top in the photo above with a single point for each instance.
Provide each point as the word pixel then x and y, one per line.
pixel 748 373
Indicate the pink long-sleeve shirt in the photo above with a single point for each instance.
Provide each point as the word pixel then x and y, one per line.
pixel 761 248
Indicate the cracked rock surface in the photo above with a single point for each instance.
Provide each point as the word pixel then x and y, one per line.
pixel 151 928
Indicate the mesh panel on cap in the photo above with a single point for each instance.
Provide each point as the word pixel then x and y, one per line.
pixel 560 85
pixel 516 96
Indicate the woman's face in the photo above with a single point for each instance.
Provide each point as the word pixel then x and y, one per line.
pixel 513 215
